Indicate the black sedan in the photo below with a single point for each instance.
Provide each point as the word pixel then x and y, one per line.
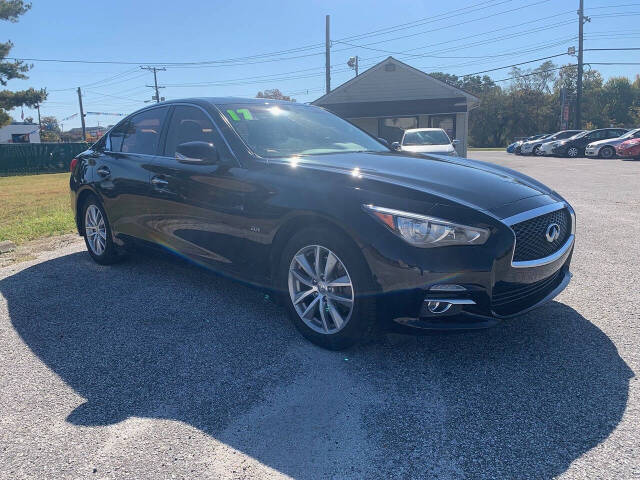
pixel 575 146
pixel 349 233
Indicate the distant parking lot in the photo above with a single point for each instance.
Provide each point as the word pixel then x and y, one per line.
pixel 153 368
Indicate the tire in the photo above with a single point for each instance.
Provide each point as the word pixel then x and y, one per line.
pixel 607 152
pixel 340 324
pixel 573 152
pixel 536 151
pixel 97 233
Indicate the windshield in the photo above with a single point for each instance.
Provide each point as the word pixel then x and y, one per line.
pixel 276 130
pixel 631 134
pixel 579 135
pixel 426 137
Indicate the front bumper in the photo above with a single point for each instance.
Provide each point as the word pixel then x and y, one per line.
pixel 487 289
pixel 592 151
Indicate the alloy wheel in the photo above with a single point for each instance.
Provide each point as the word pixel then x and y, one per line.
pixel 321 289
pixel 572 152
pixel 95 229
pixel 607 152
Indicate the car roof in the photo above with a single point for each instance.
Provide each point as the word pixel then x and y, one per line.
pixel 228 100
pixel 409 130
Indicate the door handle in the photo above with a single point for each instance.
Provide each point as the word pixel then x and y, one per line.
pixel 104 171
pixel 159 182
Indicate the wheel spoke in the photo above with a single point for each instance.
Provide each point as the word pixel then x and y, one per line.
pixel 302 295
pixel 305 281
pixel 317 262
pixel 343 281
pixel 323 315
pixel 338 298
pixel 329 265
pixel 335 315
pixel 311 307
pixel 304 263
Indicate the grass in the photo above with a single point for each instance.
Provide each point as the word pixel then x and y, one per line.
pixel 34 206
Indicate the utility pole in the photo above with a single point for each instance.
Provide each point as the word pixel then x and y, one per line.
pixel 39 121
pixel 353 63
pixel 327 53
pixel 155 71
pixel 582 19
pixel 84 128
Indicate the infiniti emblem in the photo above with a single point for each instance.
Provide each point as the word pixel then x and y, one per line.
pixel 553 232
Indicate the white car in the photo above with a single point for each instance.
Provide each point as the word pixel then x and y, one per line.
pixel 426 140
pixel 607 148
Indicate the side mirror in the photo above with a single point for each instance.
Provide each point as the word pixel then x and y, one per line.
pixel 197 153
pixel 383 141
pixel 396 146
pixel 455 142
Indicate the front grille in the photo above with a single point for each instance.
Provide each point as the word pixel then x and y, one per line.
pixel 531 235
pixel 510 298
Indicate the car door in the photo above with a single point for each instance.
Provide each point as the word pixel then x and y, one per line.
pixel 198 209
pixel 122 172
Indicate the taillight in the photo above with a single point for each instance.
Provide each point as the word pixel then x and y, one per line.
pixel 73 164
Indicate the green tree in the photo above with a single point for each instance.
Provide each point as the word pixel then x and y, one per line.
pixel 10 10
pixel 618 94
pixel 50 131
pixel 275 94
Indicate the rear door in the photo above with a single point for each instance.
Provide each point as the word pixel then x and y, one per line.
pixel 122 173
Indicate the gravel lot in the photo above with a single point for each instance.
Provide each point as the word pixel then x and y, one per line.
pixel 156 369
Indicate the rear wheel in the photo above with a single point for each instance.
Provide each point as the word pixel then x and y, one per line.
pixel 573 152
pixel 97 233
pixel 607 152
pixel 325 278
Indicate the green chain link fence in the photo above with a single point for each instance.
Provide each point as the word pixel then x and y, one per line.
pixel 20 159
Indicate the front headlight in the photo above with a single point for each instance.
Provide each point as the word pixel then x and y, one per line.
pixel 423 231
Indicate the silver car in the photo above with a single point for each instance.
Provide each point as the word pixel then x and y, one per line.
pixel 607 148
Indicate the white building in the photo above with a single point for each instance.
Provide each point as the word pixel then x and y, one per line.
pixel 20 132
pixel 392 96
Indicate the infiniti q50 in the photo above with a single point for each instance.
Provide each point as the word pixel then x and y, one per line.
pixel 349 233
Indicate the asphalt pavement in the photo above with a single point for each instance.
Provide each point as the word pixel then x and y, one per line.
pixel 154 368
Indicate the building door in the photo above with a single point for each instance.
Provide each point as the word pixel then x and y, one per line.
pixel 445 122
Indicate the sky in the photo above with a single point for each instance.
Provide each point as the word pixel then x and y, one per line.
pixel 285 43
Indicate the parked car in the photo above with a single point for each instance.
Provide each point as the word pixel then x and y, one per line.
pixel 607 148
pixel 347 232
pixel 426 140
pixel 527 147
pixel 518 141
pixel 575 146
pixel 629 148
pixel 537 148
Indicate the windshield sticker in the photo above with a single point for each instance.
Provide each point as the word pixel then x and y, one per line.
pixel 246 114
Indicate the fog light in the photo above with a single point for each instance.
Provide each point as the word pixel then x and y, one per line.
pixel 438 307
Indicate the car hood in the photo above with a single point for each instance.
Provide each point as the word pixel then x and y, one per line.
pixel 477 184
pixel 608 141
pixel 428 148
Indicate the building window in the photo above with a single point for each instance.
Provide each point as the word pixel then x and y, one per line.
pixel 392 129
pixel 20 138
pixel 445 122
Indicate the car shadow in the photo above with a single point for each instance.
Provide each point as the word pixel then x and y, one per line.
pixel 155 338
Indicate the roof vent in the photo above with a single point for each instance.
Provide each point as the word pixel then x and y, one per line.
pixel 390 67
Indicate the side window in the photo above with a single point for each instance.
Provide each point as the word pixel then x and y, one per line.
pixel 139 133
pixel 599 135
pixel 190 124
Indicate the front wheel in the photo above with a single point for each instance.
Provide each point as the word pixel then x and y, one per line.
pixel 326 280
pixel 537 151
pixel 97 233
pixel 607 152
